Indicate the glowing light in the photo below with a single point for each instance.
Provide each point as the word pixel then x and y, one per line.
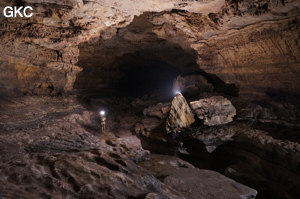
pixel 102 113
pixel 176 92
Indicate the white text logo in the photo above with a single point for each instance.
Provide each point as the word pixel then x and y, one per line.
pixel 17 11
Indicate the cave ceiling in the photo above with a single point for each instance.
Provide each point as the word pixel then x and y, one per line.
pixel 251 44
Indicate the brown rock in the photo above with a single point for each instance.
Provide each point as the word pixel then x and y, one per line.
pixel 191 85
pixel 191 183
pixel 47 152
pixel 249 111
pixel 195 183
pixel 215 110
pixel 161 110
pixel 246 175
pixel 254 157
pixel 181 115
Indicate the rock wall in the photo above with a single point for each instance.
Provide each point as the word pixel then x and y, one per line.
pixel 262 57
pixel 38 56
pixel 242 42
pixel 252 45
pixel 52 36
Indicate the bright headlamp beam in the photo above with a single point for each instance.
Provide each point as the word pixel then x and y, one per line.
pixel 176 92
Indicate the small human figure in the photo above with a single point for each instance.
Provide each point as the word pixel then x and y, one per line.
pixel 102 121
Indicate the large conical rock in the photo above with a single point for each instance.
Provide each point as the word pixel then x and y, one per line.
pixel 181 115
pixel 215 110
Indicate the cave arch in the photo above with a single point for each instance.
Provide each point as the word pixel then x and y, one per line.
pixel 134 61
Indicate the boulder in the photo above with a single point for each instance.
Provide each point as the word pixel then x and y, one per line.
pixel 189 85
pixel 181 115
pixel 215 110
pixel 249 111
pixel 160 110
pixel 194 183
pixel 149 125
pixel 243 173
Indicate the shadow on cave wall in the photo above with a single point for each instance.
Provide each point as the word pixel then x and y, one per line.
pixel 134 62
pixel 147 76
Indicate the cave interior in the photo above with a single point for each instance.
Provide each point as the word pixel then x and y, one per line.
pixel 74 59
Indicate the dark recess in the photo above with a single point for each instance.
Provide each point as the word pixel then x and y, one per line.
pixel 147 76
pixel 219 85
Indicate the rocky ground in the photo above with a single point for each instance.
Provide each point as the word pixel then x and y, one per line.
pixel 52 148
pixel 263 154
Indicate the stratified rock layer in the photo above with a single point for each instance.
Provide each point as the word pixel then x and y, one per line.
pixel 195 183
pixel 254 45
pixel 243 152
pixel 181 115
pixel 215 110
pixel 53 149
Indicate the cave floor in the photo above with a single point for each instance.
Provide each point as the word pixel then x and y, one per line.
pixel 51 146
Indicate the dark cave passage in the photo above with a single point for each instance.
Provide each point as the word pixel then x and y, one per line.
pixel 146 77
pixel 134 62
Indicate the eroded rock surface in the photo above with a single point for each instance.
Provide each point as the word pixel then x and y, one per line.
pixel 53 148
pixel 254 45
pixel 245 153
pixel 278 112
pixel 215 110
pixel 160 110
pixel 195 183
pixel 181 116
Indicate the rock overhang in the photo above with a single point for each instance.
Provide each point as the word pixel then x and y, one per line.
pixel 213 30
